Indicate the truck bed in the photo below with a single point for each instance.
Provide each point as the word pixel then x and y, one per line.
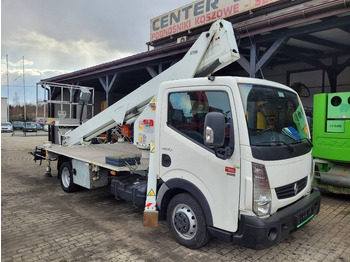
pixel 96 154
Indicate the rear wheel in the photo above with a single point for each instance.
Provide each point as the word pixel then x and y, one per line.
pixel 66 178
pixel 186 221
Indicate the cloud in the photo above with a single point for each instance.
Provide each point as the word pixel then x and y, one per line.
pixel 49 57
pixel 54 53
pixel 19 63
pixel 57 37
pixel 31 77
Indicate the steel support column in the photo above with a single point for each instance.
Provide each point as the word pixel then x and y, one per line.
pixel 253 59
pixel 333 75
pixel 153 72
pixel 334 70
pixel 160 68
pixel 257 63
pixel 107 86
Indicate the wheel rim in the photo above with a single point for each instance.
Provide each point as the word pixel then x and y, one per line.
pixel 65 177
pixel 185 222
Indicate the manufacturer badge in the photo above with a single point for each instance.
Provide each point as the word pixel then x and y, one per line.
pixel 296 188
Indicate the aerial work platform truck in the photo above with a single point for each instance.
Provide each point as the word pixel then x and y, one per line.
pixel 331 139
pixel 228 157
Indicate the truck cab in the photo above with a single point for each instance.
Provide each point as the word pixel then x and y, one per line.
pixel 238 152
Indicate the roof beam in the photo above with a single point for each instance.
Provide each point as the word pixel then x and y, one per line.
pixel 244 63
pixel 291 52
pixel 345 28
pixel 298 31
pixel 151 71
pixel 322 42
pixel 307 50
pixel 340 68
pixel 276 46
pixel 255 64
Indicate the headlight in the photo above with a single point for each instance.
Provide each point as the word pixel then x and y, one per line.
pixel 262 191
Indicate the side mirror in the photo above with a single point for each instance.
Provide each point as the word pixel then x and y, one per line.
pixel 214 129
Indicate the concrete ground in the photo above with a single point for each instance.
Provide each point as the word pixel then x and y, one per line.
pixel 40 222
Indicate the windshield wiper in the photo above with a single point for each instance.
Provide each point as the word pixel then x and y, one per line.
pixel 308 140
pixel 291 149
pixel 295 135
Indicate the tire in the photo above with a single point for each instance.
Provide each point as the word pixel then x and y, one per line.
pixel 66 178
pixel 186 221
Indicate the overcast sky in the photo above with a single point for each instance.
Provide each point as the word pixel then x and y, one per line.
pixel 57 37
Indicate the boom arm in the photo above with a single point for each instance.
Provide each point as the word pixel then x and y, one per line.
pixel 212 51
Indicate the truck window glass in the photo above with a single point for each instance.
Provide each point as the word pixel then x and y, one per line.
pixel 274 116
pixel 187 111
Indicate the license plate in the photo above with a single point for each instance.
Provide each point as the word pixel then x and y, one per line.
pixel 305 216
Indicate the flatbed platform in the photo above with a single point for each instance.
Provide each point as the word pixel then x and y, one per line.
pixel 96 154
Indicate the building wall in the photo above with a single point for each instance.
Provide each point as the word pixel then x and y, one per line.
pixel 4 110
pixel 315 79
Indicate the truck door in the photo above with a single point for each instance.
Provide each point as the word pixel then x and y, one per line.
pixel 185 157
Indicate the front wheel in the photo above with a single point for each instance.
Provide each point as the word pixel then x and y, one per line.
pixel 186 221
pixel 66 178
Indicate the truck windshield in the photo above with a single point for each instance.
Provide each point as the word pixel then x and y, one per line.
pixel 274 116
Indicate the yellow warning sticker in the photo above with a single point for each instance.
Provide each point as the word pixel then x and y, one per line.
pixel 153 149
pixel 151 193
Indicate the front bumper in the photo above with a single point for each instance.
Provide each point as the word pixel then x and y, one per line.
pixel 258 233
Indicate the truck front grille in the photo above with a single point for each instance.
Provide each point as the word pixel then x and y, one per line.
pixel 292 189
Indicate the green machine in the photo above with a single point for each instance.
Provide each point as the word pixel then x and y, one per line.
pixel 331 139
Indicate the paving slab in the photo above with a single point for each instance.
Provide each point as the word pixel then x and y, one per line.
pixel 40 222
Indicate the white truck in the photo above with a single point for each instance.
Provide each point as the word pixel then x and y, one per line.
pixel 222 156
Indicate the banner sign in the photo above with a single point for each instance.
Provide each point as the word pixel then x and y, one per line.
pixel 199 13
